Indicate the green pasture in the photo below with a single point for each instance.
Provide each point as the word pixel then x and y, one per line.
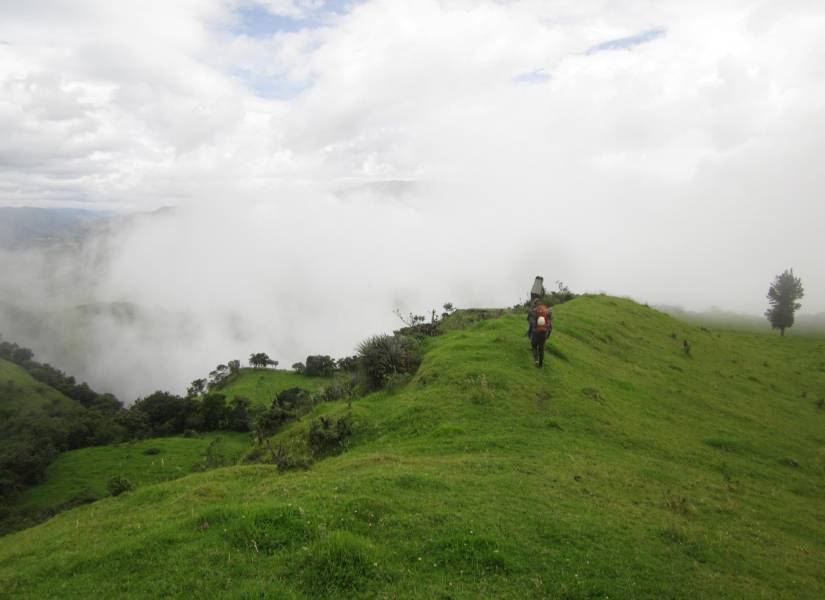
pixel 632 466
pixel 262 385
pixel 87 470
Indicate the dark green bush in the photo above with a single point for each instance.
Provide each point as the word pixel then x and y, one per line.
pixel 328 437
pixel 383 356
pixel 152 451
pixel 27 458
pixel 255 455
pixel 348 364
pixel 271 421
pixel 8 486
pixel 239 414
pixel 319 366
pixel 342 388
pixel 293 400
pixel 118 484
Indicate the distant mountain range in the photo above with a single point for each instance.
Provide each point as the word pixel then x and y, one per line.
pixel 22 227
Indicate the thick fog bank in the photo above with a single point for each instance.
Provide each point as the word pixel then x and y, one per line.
pixel 155 300
pixel 158 300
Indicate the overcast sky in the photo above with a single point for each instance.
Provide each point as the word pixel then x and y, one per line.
pixel 670 151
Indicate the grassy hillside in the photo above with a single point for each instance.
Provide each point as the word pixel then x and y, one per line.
pixel 19 391
pixel 626 468
pixel 262 385
pixel 86 471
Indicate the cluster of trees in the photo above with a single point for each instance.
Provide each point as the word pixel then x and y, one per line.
pixel 163 413
pixel 220 375
pixel 260 360
pixel 323 365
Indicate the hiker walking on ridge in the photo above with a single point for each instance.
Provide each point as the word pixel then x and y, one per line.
pixel 536 293
pixel 540 323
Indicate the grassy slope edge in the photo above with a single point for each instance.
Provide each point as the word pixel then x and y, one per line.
pixel 23 394
pixel 87 470
pixel 627 468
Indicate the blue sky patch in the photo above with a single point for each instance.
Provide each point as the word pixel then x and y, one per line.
pixel 273 87
pixel 533 77
pixel 256 20
pixel 628 42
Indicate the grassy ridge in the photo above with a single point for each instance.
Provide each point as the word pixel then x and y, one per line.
pixel 626 469
pixel 86 471
pixel 21 392
pixel 262 385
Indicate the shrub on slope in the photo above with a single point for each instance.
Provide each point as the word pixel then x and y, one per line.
pixel 383 356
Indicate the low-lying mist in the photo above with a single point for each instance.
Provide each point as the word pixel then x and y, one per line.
pixel 153 301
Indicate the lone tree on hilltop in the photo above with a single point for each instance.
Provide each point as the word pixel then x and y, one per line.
pixel 261 359
pixel 783 294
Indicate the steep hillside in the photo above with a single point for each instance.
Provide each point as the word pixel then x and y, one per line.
pixel 627 468
pixel 21 393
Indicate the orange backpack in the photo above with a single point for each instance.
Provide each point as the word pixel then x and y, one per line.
pixel 541 311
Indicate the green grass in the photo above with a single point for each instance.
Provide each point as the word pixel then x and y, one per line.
pixel 624 469
pixel 262 385
pixel 86 471
pixel 20 392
